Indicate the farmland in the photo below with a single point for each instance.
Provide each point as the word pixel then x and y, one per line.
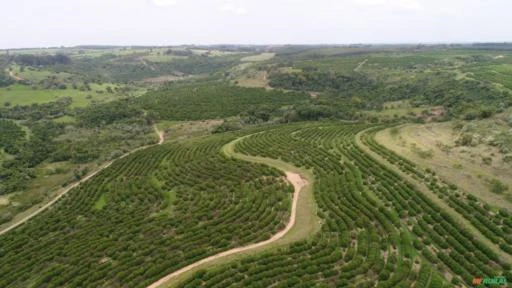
pixel 282 166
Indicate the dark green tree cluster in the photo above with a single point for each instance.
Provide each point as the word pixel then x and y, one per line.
pixel 107 113
pixel 40 60
pixel 5 80
pixel 35 112
pixel 321 81
pixel 11 136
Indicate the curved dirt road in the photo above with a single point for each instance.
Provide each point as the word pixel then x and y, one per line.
pixel 17 78
pixel 71 186
pixel 298 183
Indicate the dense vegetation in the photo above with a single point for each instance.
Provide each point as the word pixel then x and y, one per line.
pixel 5 80
pixel 94 137
pixel 11 136
pixel 150 213
pixel 376 224
pixel 110 67
pixel 40 60
pixel 321 81
pixel 165 207
pixel 216 100
pixel 465 98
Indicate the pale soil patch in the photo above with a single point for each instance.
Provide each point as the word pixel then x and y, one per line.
pixel 298 183
pixel 289 70
pixel 4 200
pixel 461 166
pixel 256 79
pixel 15 77
pixel 165 78
pixel 259 57
pixel 416 267
pixel 314 95
pixel 187 129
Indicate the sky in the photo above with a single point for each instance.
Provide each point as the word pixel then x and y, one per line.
pixel 50 23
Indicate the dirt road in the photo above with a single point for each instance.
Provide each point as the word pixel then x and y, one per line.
pixel 17 223
pixel 360 65
pixel 160 134
pixel 298 182
pixel 17 78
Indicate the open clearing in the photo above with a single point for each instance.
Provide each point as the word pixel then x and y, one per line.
pixel 433 146
pixel 4 200
pixel 24 95
pixel 258 58
pixel 254 79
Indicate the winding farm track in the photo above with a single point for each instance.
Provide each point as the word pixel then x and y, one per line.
pixel 24 219
pixel 300 183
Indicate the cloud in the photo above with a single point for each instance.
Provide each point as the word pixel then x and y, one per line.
pixel 164 2
pixel 234 6
pixel 401 5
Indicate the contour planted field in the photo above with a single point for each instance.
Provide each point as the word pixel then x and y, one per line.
pixel 197 102
pixel 145 216
pixel 496 227
pixel 378 229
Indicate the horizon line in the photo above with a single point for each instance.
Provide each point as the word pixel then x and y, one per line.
pixel 265 44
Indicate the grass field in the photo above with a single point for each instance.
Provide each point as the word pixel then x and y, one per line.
pixel 399 109
pixel 259 57
pixel 462 166
pixel 36 75
pixel 24 95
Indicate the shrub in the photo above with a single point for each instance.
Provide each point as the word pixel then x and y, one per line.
pixel 497 186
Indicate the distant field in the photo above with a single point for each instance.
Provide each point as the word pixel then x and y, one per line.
pixel 65 119
pixel 36 75
pixel 335 64
pixel 399 109
pixel 259 57
pixel 25 95
pixel 162 58
pixel 500 74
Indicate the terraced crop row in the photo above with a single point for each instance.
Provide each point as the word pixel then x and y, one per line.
pixel 378 231
pixel 145 216
pixel 495 224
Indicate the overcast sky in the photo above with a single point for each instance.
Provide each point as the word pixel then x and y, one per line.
pixel 43 23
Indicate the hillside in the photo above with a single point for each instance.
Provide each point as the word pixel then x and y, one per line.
pixel 278 166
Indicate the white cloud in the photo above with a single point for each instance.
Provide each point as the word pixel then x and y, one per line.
pixel 164 2
pixel 233 6
pixel 402 5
